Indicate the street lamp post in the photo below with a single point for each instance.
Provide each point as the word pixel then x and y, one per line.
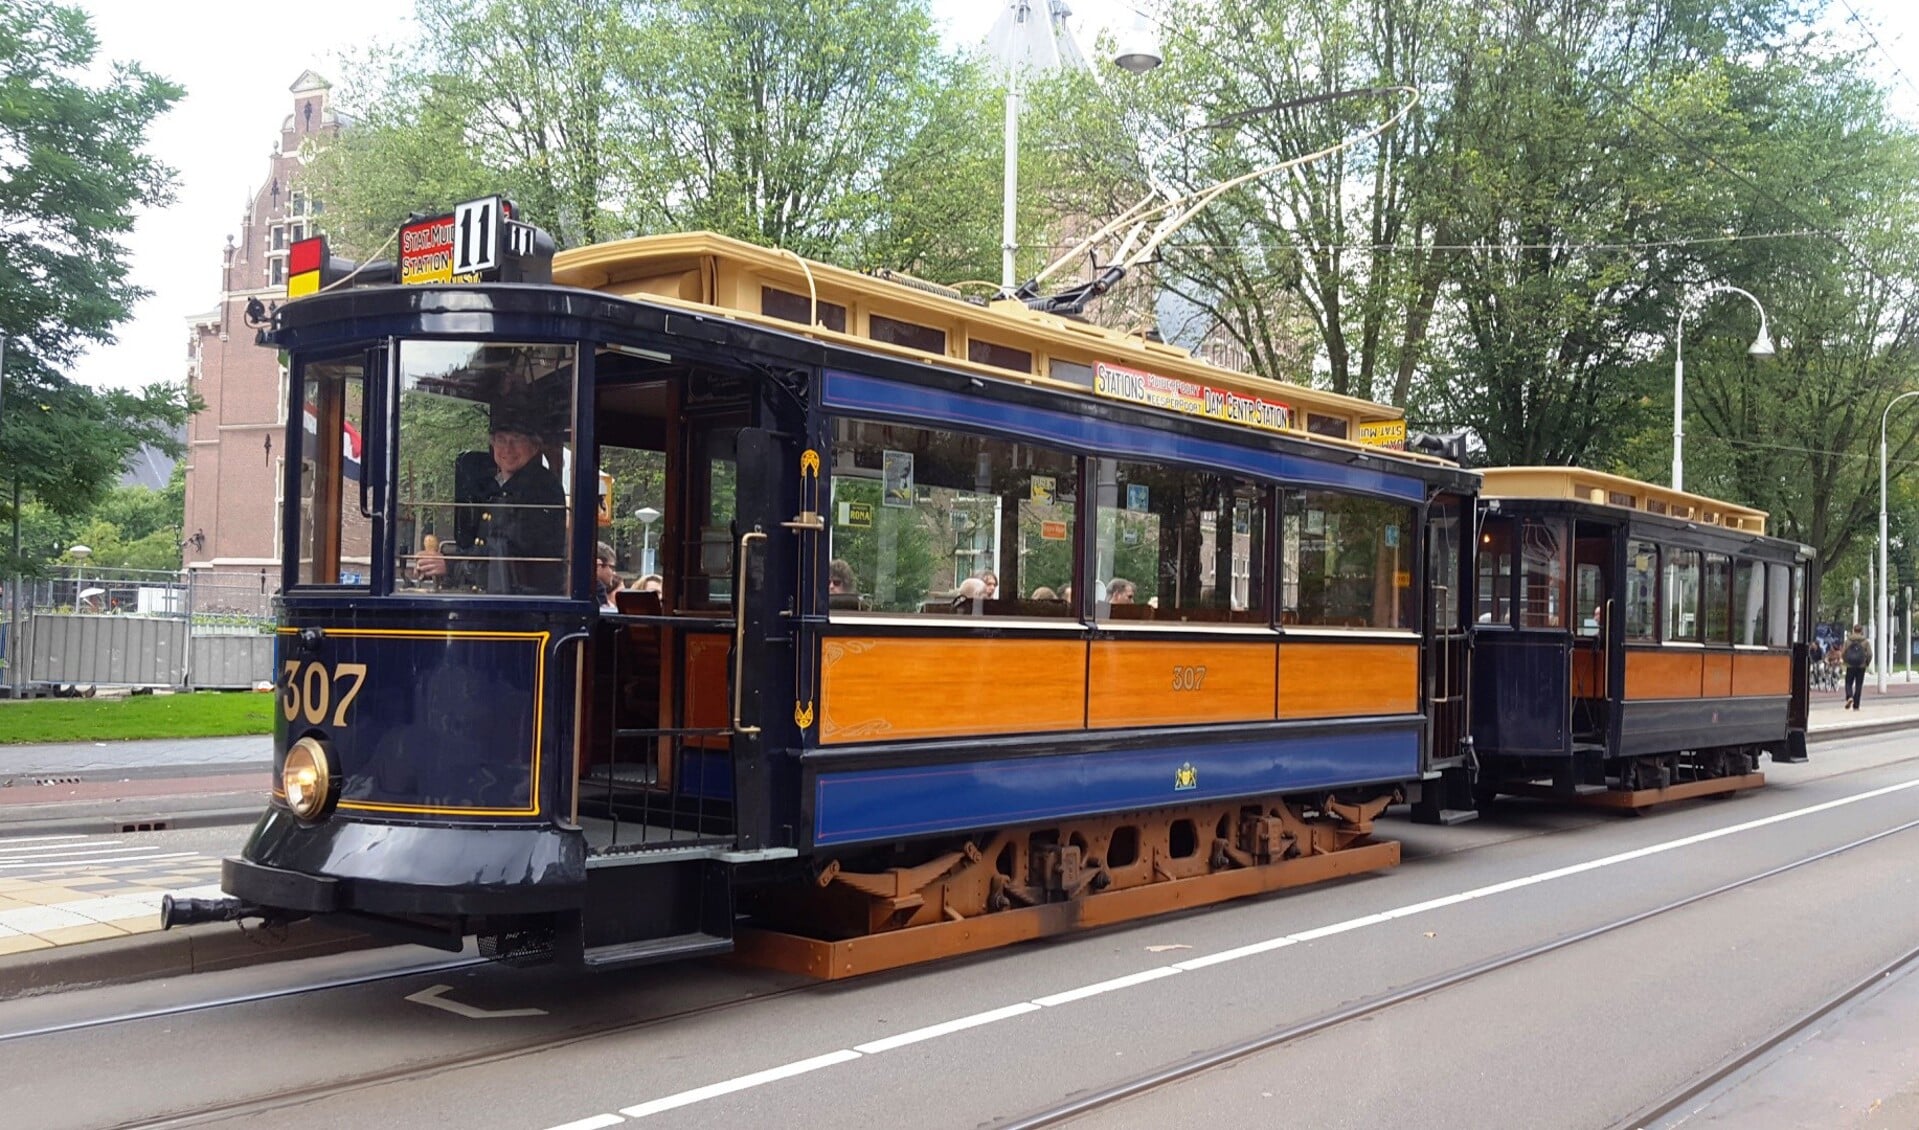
pixel 1881 642
pixel 1033 33
pixel 80 553
pixel 647 516
pixel 1761 347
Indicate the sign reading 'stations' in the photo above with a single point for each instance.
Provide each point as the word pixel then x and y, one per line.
pixel 1176 394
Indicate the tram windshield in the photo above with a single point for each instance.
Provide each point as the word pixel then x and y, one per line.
pixel 485 464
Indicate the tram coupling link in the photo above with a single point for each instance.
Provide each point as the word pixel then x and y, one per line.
pixel 192 912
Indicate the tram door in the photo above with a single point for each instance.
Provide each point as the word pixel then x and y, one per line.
pixel 1448 657
pixel 1595 632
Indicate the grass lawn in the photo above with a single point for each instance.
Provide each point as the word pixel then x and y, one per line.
pixel 207 715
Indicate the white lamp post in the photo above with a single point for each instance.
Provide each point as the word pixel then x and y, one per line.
pixel 647 516
pixel 79 553
pixel 1881 633
pixel 1761 347
pixel 1033 33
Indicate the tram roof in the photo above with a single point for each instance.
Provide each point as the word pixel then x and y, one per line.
pixel 1582 485
pixel 710 271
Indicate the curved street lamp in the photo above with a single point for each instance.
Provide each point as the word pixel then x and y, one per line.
pixel 1881 629
pixel 647 516
pixel 1761 347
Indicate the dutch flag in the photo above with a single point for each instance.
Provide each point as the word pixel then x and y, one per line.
pixel 349 444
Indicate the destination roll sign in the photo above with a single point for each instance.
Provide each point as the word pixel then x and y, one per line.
pixel 479 241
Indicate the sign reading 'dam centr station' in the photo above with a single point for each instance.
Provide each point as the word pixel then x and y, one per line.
pixel 1176 394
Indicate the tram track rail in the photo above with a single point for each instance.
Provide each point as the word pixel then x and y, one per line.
pixel 1674 1107
pixel 1202 1062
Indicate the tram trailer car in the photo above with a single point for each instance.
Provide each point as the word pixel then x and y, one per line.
pixel 973 623
pixel 1633 644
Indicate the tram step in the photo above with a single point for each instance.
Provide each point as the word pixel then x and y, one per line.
pixel 648 950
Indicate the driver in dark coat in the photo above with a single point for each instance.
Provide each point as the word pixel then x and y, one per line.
pixel 511 536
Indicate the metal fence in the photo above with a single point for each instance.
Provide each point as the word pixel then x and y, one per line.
pixel 136 628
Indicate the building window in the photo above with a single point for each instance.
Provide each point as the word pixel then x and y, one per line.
pixel 276 271
pixel 297 232
pixel 930 521
pixel 277 237
pixel 297 203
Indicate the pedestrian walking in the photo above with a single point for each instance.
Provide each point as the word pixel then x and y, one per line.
pixel 1858 656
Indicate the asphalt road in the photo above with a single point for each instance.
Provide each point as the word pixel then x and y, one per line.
pixel 1580 1037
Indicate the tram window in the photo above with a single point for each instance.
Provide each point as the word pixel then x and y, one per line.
pixel 939 522
pixel 1716 597
pixel 1348 561
pixel 1780 603
pixel 1798 597
pixel 1748 602
pixel 485 468
pixel 1442 556
pixel 708 570
pixel 1642 591
pixel 999 356
pixel 1176 544
pixel 1542 577
pixel 879 327
pixel 336 541
pixel 1072 372
pixel 1496 571
pixel 790 307
pixel 1682 595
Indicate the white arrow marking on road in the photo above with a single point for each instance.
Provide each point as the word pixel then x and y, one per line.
pixel 433 996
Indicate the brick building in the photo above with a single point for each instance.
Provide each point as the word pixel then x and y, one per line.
pixel 234 457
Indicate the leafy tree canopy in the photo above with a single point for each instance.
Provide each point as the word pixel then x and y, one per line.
pixel 73 173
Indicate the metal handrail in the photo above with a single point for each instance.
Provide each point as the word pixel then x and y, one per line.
pixel 739 637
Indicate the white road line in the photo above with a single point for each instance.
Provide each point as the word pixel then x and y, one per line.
pixel 97 862
pixel 41 839
pixel 743 1082
pixel 71 849
pixel 934 1031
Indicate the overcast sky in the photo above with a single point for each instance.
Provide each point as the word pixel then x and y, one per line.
pixel 237 60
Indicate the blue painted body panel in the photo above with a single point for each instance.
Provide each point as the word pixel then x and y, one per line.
pixel 446 723
pixel 891 803
pixel 855 393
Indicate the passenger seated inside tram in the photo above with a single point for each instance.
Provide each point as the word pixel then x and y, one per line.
pixel 842 587
pixel 971 596
pixel 510 524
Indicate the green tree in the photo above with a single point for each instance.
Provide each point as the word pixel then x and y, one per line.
pixel 74 177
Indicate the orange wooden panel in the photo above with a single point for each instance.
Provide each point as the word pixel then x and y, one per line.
pixel 1716 679
pixel 1663 674
pixel 1589 673
pixel 706 676
pixel 1148 682
pixel 1327 680
pixel 1757 674
pixel 888 689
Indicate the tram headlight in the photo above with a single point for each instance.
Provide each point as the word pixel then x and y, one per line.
pixel 307 779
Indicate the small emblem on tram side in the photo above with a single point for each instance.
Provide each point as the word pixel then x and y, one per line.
pixel 1185 777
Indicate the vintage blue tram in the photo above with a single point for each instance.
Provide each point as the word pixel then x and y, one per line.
pixel 972 622
pixel 1633 644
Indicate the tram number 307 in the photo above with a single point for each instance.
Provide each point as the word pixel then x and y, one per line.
pixel 1188 678
pixel 307 690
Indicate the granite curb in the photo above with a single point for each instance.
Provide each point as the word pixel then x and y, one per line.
pixel 175 953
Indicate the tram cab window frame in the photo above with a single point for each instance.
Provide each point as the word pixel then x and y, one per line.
pixel 1543 574
pixel 1494 573
pixel 331 518
pixel 1641 591
pixel 1679 587
pixel 1782 602
pixel 1748 602
pixel 451 396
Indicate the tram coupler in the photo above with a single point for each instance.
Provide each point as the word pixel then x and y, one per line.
pixel 192 912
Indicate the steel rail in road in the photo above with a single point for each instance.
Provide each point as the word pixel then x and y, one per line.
pixel 1706 1087
pixel 1230 1053
pixel 233 999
